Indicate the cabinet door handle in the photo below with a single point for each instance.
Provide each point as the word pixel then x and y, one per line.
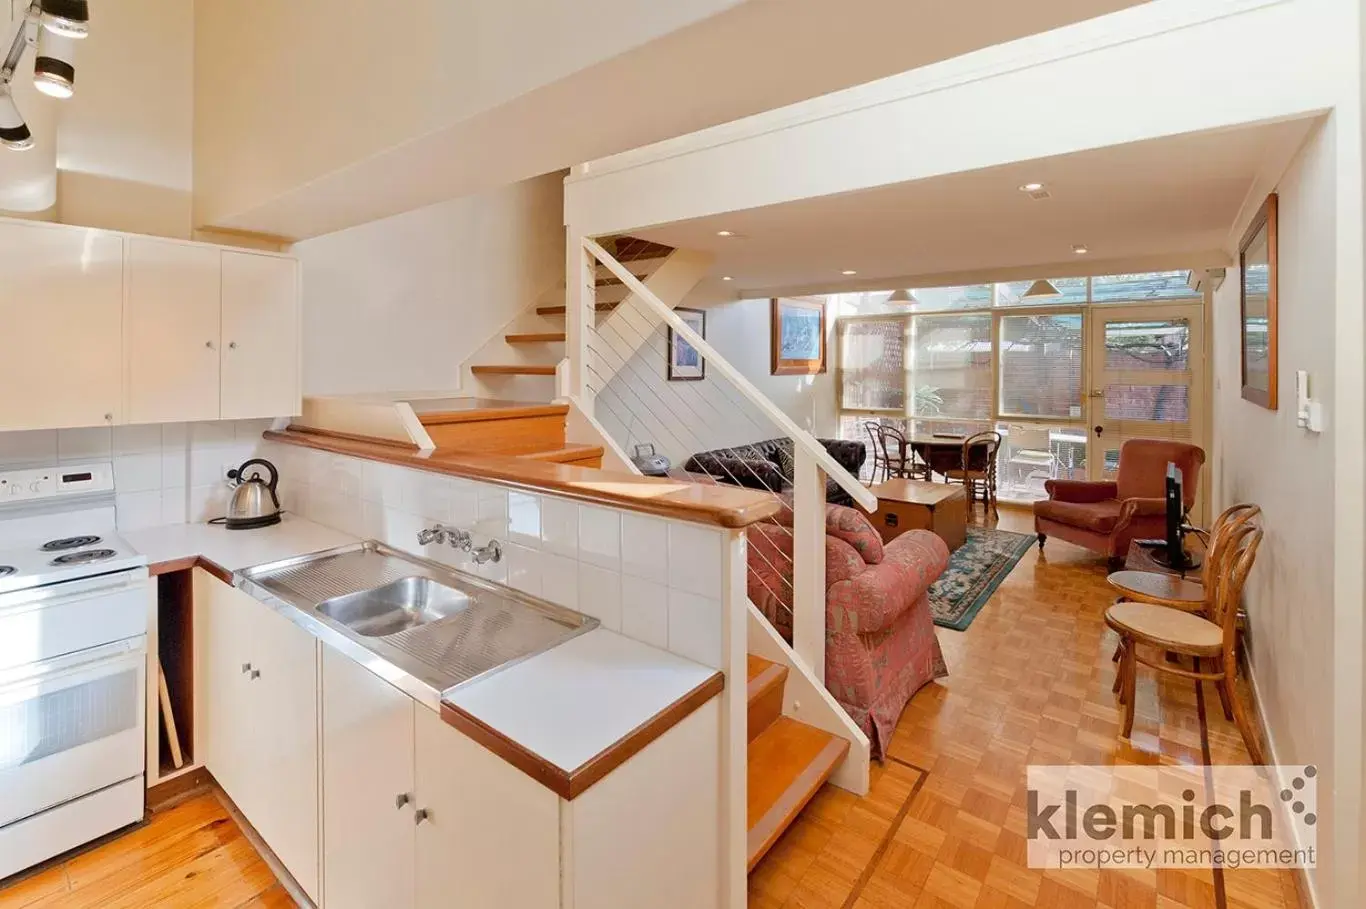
pixel 402 799
pixel 109 418
pixel 254 674
pixel 232 345
pixel 420 815
pixel 208 345
pixel 246 667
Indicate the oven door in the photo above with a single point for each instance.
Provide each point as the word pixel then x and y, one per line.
pixel 70 726
pixel 43 622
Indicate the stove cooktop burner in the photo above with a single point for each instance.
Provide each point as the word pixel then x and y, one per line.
pixel 71 543
pixel 7 570
pixel 85 556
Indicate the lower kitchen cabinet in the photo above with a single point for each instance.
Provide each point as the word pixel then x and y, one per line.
pixel 260 682
pixel 368 809
pixel 491 834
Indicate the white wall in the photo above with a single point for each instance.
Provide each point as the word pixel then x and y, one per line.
pixel 1261 456
pixel 399 304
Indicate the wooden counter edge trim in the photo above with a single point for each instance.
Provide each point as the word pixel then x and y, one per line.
pixel 188 562
pixel 730 507
pixel 570 784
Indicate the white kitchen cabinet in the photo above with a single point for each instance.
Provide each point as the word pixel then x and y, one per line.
pixel 172 330
pixel 61 302
pixel 368 791
pixel 489 832
pixel 261 733
pixel 260 337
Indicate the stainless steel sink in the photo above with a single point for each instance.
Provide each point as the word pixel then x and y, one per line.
pixel 394 607
pixel 423 626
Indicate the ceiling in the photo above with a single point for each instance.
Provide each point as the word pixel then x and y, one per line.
pixel 1161 203
pixel 753 56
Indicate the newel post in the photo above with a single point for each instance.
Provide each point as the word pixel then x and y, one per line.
pixel 580 301
pixel 808 562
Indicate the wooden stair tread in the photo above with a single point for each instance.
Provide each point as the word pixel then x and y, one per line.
pixel 528 370
pixel 569 452
pixel 764 693
pixel 493 411
pixel 560 310
pixel 788 763
pixel 535 337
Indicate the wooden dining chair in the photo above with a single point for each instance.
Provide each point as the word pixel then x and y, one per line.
pixel 977 470
pixel 878 440
pixel 1207 640
pixel 904 463
pixel 1162 589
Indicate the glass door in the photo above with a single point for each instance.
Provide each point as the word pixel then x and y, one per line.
pixel 1147 379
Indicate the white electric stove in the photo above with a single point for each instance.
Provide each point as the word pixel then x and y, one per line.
pixel 74 600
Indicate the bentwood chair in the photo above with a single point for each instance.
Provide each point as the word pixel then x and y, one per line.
pixel 903 462
pixel 1163 589
pixel 878 439
pixel 1209 641
pixel 978 467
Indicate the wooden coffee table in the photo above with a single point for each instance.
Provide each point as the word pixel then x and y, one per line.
pixel 904 505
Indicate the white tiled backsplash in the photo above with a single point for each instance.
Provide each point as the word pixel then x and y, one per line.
pixel 655 580
pixel 167 473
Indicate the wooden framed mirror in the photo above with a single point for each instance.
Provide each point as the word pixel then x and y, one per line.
pixel 1258 299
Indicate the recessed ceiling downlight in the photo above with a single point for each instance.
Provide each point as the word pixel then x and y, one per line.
pixel 1030 187
pixel 727 278
pixel 849 271
pixel 1080 249
pixel 725 233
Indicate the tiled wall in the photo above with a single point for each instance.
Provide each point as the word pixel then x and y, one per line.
pixel 654 580
pixel 163 473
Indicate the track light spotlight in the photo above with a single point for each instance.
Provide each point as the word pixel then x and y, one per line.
pixel 53 71
pixel 14 132
pixel 66 17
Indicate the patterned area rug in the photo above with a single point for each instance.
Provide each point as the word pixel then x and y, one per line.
pixel 975 570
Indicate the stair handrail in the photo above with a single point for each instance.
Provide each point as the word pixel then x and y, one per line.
pixel 800 437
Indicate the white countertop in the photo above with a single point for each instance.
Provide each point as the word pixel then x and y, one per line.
pixel 233 550
pixel 573 702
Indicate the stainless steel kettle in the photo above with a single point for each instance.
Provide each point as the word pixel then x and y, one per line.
pixel 254 502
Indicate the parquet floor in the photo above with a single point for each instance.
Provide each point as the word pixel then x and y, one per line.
pixel 190 855
pixel 943 825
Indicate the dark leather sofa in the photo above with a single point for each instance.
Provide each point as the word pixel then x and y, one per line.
pixel 769 465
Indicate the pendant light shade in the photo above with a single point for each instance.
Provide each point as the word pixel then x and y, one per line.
pixel 54 71
pixel 1041 290
pixel 66 17
pixel 903 297
pixel 14 132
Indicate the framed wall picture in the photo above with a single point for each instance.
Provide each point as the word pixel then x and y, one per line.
pixel 685 363
pixel 797 343
pixel 1258 296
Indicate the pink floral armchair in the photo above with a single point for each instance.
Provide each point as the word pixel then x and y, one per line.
pixel 880 645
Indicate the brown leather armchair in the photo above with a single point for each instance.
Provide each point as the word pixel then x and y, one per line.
pixel 1107 516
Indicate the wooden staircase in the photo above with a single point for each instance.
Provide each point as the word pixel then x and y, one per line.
pixel 486 426
pixel 789 761
pixel 642 255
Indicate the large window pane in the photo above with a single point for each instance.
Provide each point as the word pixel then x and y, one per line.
pixel 1041 365
pixel 1154 345
pixel 950 366
pixel 1070 290
pixel 1140 288
pixel 872 365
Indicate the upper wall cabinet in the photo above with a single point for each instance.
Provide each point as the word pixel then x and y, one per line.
pixel 172 331
pixel 105 328
pixel 61 299
pixel 260 374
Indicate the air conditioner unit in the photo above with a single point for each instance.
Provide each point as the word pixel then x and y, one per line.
pixel 1199 278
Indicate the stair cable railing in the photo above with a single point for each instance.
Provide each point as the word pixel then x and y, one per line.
pixel 616 369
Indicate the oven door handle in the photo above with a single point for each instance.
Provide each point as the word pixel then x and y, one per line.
pixel 73 669
pixel 28 600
